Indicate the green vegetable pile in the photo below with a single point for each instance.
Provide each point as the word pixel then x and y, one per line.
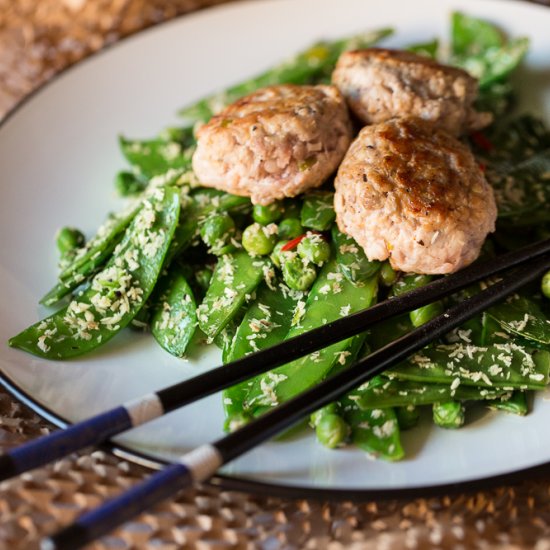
pixel 195 265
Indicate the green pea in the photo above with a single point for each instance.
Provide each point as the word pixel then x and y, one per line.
pixel 279 256
pixel 387 274
pixel 297 275
pixel 332 430
pixel 407 417
pixel 545 285
pixel 449 414
pixel 127 184
pixel 259 240
pixel 315 418
pixel 314 249
pixel 267 214
pixel 290 228
pixel 69 238
pixel 424 314
pixel 216 231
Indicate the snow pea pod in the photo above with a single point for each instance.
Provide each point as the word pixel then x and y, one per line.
pixel 115 294
pixel 312 66
pixel 375 431
pixel 515 404
pixel 480 48
pixel 331 297
pixel 506 366
pixel 382 392
pixel 235 278
pixel 265 324
pixel 520 316
pixel 174 317
pixel 92 256
pixel 201 203
pixel 318 210
pixel 156 156
pixel 351 258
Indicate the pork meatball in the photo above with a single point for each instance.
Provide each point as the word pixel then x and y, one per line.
pixel 274 143
pixel 413 193
pixel 381 84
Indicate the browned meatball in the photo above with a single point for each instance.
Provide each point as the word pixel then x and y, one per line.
pixel 415 194
pixel 274 143
pixel 382 84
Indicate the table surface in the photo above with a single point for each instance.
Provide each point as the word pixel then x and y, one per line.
pixel 38 38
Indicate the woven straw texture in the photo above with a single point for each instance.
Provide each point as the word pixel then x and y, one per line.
pixel 38 38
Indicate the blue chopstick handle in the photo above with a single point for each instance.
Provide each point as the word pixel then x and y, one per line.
pixel 100 521
pixel 63 442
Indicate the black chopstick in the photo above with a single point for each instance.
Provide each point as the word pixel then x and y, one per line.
pixel 100 428
pixel 204 461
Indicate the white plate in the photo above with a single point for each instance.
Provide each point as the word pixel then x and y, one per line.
pixel 58 155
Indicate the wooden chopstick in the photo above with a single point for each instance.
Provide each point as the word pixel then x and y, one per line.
pixel 204 461
pixel 100 428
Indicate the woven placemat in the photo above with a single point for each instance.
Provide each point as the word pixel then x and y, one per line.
pixel 38 38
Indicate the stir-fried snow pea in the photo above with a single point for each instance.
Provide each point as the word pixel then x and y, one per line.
pixel 385 332
pixel 267 214
pixel 511 142
pixel 515 404
pixel 332 430
pixel 235 278
pixel 351 258
pixel 216 232
pixel 481 49
pixel 449 414
pixel 423 314
pixel 298 274
pixel 499 366
pixel 174 318
pixel 202 203
pixel 375 431
pixel 68 239
pixel 318 210
pixel 313 65
pixel 116 293
pixel 93 255
pixel 331 298
pixel 521 191
pixel 128 184
pixel 472 36
pixel 388 275
pixel 259 240
pixel 156 156
pixel 290 228
pixel 545 285
pixel 522 317
pixel 381 393
pixel 407 416
pixel 429 49
pixel 265 324
pixel 331 408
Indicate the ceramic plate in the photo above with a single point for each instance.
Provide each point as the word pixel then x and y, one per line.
pixel 58 156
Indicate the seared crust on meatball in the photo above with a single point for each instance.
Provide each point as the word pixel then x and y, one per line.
pixel 381 84
pixel 414 194
pixel 276 142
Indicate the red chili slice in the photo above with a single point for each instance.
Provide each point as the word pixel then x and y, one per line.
pixel 291 245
